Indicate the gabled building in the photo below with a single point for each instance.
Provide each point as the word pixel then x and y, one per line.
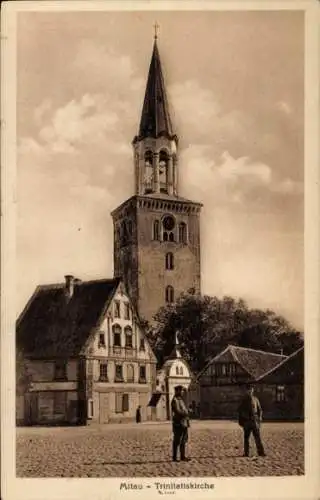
pixel 222 380
pixel 85 355
pixel 281 389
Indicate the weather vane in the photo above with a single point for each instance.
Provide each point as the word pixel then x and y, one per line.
pixel 156 27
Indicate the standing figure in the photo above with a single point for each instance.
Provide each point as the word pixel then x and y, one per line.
pixel 180 424
pixel 250 416
pixel 138 414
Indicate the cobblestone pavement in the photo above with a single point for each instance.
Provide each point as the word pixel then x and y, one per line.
pixel 143 450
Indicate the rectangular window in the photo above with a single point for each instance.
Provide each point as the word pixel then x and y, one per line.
pixel 119 373
pixel 130 373
pixel 102 340
pixel 128 340
pixel 142 374
pixel 103 368
pixel 117 339
pixel 59 403
pixel 125 402
pixel 126 310
pixel 90 408
pixel 122 402
pixel 233 369
pixel 60 370
pixel 118 405
pixel 280 393
pixel 116 309
pixel 142 345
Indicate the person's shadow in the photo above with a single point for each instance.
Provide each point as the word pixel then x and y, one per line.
pixel 192 458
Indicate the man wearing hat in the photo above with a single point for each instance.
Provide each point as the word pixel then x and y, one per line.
pixel 250 416
pixel 180 424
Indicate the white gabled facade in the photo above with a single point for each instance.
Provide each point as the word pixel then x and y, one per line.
pixel 120 363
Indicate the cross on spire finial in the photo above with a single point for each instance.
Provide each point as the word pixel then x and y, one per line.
pixel 156 27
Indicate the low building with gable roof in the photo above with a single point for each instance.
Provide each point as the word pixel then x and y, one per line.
pixel 221 381
pixel 281 389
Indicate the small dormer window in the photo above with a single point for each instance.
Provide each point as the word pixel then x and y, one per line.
pixel 117 309
pixel 142 345
pixel 102 340
pixel 126 310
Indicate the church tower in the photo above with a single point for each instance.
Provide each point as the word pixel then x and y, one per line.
pixel 156 231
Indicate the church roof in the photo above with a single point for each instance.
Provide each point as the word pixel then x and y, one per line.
pixel 52 326
pixel 155 118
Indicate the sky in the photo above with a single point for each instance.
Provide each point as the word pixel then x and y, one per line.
pixel 235 87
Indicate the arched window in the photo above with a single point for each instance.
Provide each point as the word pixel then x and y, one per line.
pixel 177 370
pixel 169 294
pixel 163 171
pixel 148 173
pixel 116 330
pixel 182 232
pixel 130 373
pixel 181 370
pixel 128 336
pixel 156 230
pixel 168 226
pixel 169 261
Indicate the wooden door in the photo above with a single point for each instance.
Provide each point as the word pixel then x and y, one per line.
pixel 104 408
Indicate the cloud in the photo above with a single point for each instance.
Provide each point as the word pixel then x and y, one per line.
pixel 284 107
pixel 231 180
pixel 195 103
pixel 79 122
pixel 41 111
pixel 96 59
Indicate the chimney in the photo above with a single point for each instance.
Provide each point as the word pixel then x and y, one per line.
pixel 69 289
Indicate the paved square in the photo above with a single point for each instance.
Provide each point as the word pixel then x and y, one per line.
pixel 144 450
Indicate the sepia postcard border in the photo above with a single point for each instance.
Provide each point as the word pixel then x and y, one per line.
pixel 303 487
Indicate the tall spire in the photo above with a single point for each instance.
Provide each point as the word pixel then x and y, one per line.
pixel 155 119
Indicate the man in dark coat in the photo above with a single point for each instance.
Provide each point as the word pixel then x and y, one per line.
pixel 138 414
pixel 180 424
pixel 250 416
